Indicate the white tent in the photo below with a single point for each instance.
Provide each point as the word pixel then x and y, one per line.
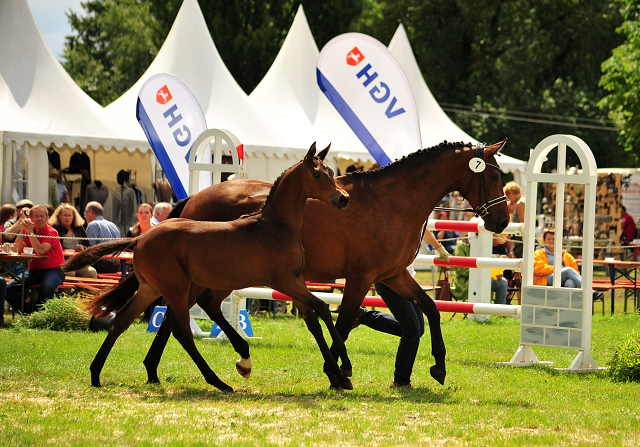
pixel 290 96
pixel 289 93
pixel 190 54
pixel 41 106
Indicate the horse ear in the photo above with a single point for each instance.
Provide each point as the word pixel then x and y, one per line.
pixel 323 152
pixel 494 148
pixel 312 151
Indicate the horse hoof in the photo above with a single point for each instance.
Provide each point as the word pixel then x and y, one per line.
pixel 244 366
pixel 96 384
pixel 225 388
pixel 152 381
pixel 438 374
pixel 346 372
pixel 347 385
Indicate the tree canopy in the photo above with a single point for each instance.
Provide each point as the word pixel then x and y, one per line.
pixel 622 80
pixel 523 69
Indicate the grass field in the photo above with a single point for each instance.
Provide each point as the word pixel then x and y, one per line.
pixel 46 397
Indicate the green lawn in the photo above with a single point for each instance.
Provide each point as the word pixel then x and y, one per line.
pixel 46 397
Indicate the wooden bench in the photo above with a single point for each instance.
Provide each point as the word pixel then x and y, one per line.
pixel 91 284
pixel 602 285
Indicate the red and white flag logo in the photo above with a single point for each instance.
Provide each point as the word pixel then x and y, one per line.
pixel 354 57
pixel 164 95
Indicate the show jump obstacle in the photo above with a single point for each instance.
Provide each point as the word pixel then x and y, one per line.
pixel 555 316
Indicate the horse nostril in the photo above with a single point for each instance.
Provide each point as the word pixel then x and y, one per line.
pixel 344 200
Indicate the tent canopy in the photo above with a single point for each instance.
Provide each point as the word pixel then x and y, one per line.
pixel 40 105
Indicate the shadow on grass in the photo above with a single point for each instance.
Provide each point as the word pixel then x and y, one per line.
pixel 161 392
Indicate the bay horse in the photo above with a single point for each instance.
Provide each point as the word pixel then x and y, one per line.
pixel 180 259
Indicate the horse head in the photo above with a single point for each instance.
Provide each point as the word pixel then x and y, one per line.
pixel 482 186
pixel 321 184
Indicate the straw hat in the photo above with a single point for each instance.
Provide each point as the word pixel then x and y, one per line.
pixel 24 202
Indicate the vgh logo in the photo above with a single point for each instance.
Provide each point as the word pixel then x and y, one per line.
pixel 164 95
pixel 354 57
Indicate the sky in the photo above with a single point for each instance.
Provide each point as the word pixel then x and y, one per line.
pixel 53 23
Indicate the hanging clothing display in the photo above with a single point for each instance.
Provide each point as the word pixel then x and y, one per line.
pixel 95 192
pixel 120 207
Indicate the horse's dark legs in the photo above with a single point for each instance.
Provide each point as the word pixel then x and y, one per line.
pixel 306 303
pixel 182 332
pixel 121 322
pixel 354 292
pixel 404 285
pixel 210 301
pixel 152 360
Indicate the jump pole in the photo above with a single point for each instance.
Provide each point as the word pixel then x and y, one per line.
pixel 503 310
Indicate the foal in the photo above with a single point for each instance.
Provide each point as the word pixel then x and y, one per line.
pixel 181 258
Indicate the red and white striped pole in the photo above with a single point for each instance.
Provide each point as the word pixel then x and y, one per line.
pixel 504 310
pixel 471 227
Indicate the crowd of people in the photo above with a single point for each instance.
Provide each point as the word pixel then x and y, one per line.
pixel 46 231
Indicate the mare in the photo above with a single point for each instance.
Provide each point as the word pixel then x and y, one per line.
pixel 373 240
pixel 180 259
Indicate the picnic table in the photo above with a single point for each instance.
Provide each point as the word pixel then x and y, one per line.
pixel 6 264
pixel 622 275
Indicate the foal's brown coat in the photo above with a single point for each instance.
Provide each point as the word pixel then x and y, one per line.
pixel 181 258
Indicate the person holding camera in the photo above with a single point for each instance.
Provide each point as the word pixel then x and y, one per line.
pixel 40 238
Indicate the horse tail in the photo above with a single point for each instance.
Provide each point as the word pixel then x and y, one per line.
pixel 91 255
pixel 177 210
pixel 101 306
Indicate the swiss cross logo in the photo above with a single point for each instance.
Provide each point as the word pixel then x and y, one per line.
pixel 354 57
pixel 164 95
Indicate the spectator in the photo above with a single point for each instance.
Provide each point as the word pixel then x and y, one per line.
pixel 50 210
pixel 69 225
pixel 543 259
pixel 160 212
pixel 63 193
pixel 100 228
pixel 7 212
pixel 35 232
pixel 628 227
pixel 516 211
pixel 447 238
pixel 144 215
pixel 54 195
pixel 12 226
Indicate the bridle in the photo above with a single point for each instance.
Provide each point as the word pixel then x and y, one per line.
pixel 480 210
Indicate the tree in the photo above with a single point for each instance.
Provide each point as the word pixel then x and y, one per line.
pixel 249 33
pixel 116 40
pixel 115 43
pixel 621 79
pixel 513 68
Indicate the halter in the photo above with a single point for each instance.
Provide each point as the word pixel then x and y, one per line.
pixel 480 210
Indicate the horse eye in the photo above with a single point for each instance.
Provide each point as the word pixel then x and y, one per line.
pixel 493 178
pixel 316 174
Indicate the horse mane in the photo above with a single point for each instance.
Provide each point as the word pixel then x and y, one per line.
pixel 411 157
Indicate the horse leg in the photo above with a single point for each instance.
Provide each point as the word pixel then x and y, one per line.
pixel 210 301
pixel 152 360
pixel 354 292
pixel 123 319
pixel 306 302
pixel 182 332
pixel 404 285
